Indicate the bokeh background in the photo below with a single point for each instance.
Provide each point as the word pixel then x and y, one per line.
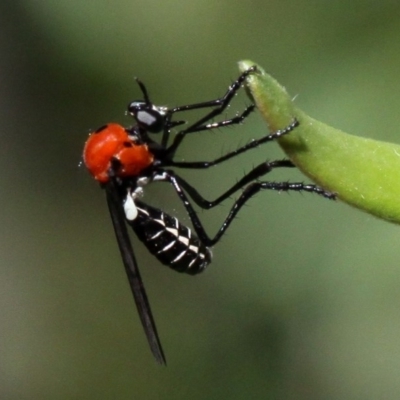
pixel 302 299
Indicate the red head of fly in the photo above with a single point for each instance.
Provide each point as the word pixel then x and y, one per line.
pixel 111 145
pixel 125 151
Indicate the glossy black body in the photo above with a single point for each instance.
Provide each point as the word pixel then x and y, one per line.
pixel 171 242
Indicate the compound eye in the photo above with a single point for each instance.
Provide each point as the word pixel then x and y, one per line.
pixel 147 116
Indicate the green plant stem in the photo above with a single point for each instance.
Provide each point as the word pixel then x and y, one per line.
pixel 364 173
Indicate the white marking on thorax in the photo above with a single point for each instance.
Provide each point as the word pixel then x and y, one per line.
pixel 131 211
pixel 142 181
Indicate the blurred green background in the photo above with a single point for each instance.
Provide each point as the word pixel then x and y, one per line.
pixel 302 299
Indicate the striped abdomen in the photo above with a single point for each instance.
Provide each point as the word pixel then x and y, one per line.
pixel 171 242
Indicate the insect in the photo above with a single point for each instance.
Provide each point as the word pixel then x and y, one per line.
pixel 125 160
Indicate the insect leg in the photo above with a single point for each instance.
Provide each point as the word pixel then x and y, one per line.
pixel 221 104
pixel 251 145
pixel 249 191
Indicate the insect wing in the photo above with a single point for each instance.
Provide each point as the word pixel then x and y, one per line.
pixel 118 219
